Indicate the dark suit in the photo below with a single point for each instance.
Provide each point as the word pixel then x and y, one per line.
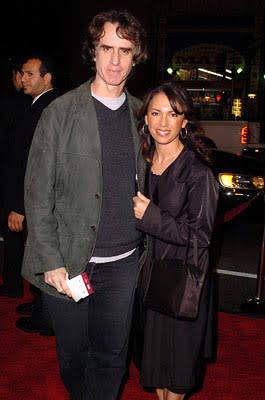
pixel 13 199
pixel 13 108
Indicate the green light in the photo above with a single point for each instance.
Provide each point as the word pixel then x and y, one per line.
pixel 170 71
pixel 239 70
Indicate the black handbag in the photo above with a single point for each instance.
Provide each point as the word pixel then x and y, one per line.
pixel 175 287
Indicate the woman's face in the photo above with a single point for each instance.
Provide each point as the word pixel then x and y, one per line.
pixel 163 123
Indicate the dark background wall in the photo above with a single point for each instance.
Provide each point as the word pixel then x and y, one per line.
pixel 58 27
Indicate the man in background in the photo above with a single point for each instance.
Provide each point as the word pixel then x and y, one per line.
pixel 37 72
pixel 13 108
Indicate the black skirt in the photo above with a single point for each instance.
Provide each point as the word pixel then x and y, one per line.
pixel 174 350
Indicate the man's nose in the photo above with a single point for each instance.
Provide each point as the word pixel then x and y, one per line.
pixel 115 57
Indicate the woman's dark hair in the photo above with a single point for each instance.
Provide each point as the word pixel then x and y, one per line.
pixel 128 28
pixel 189 136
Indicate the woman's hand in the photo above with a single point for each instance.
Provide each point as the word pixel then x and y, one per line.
pixel 140 205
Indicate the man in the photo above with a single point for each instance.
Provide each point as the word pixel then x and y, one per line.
pixel 13 108
pixel 37 82
pixel 80 181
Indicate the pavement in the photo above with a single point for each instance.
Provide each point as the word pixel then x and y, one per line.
pixel 237 254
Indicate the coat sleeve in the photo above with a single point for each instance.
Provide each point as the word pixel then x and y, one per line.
pixel 40 194
pixel 198 214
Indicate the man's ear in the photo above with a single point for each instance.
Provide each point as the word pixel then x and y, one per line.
pixel 48 78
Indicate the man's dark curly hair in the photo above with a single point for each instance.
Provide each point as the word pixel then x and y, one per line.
pixel 128 28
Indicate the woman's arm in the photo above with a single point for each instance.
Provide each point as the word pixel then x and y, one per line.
pixel 199 216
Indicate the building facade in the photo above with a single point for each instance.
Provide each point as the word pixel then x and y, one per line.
pixel 217 50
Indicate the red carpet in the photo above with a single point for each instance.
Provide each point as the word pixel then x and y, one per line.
pixel 29 369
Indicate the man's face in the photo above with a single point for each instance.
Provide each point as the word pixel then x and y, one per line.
pixel 113 57
pixel 33 83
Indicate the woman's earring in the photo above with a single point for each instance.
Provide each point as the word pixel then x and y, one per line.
pixel 183 133
pixel 145 129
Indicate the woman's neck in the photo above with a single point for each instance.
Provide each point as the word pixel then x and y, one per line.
pixel 164 156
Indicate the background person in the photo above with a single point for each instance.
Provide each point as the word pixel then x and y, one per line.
pixel 37 75
pixel 80 182
pixel 183 197
pixel 13 107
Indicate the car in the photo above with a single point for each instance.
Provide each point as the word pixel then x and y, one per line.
pixel 237 247
pixel 240 177
pixel 256 151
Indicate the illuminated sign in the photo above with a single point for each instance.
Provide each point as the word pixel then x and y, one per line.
pixel 244 135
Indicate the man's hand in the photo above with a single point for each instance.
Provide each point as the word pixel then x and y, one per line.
pixel 140 205
pixel 57 279
pixel 15 221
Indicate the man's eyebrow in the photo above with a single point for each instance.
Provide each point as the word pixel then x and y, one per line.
pixel 130 48
pixel 126 48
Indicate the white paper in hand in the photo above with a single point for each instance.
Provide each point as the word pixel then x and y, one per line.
pixel 80 286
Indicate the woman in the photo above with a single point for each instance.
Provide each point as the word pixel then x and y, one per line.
pixel 182 198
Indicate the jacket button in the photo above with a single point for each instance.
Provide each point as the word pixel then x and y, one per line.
pixel 97 196
pixel 93 227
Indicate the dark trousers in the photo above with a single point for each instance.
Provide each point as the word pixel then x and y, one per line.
pixel 40 315
pixel 92 335
pixel 13 256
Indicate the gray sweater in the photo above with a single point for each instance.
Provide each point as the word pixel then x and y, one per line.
pixel 117 233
